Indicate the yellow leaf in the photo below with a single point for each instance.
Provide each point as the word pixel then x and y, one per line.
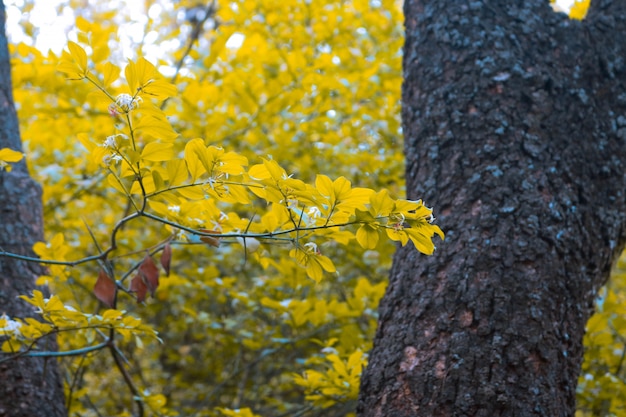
pixel 381 203
pixel 342 188
pixel 116 183
pixel 325 187
pixel 157 127
pixel 9 155
pixel 148 186
pixel 313 269
pixel 79 56
pixel 156 402
pixel 37 299
pixel 159 208
pixel 83 24
pixel 232 163
pixel 325 263
pixel 367 236
pixel 83 37
pixel 142 76
pixel 192 193
pixel 195 156
pixel 154 151
pixel 579 9
pixel 259 172
pixel 111 315
pixel 276 171
pixel 176 171
pixel 131 77
pixel 269 169
pixel 160 89
pixel 159 183
pixel 110 73
pixel 84 139
pixel 144 71
pixel 398 234
pixel 57 240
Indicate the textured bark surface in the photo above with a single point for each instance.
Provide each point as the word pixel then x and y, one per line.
pixel 515 131
pixel 29 387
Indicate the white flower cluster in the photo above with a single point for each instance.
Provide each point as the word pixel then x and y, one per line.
pixel 124 103
pixel 10 326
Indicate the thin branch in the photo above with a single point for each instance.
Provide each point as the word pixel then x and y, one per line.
pixel 74 381
pixel 129 382
pixel 266 235
pixel 209 11
pixel 274 235
pixel 135 267
pixel 49 261
pixel 197 184
pixel 54 354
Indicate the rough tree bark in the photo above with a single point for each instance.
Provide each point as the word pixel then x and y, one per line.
pixel 515 131
pixel 29 387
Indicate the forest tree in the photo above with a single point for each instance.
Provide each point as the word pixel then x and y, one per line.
pixel 31 387
pixel 197 218
pixel 514 120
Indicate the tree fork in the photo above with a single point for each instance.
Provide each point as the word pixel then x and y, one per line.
pixel 515 124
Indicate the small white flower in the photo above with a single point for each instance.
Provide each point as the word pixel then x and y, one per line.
pixel 292 203
pixel 329 350
pixel 314 212
pixel 126 102
pixel 108 159
pixel 110 142
pixel 312 248
pixel 180 234
pixel 11 326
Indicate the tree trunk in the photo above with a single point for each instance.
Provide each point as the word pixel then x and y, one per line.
pixel 29 387
pixel 515 131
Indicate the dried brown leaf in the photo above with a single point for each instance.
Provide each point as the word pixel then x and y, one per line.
pixel 150 273
pixel 139 287
pixel 213 241
pixel 105 289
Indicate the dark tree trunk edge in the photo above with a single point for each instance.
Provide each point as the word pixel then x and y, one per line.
pixel 515 130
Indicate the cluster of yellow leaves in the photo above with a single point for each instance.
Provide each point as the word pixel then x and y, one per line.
pixel 56 317
pixel 56 249
pixel 147 166
pixel 601 388
pixel 338 382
